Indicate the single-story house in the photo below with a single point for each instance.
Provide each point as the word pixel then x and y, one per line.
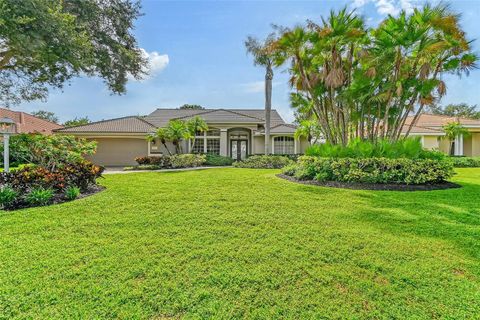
pixel 235 133
pixel 238 133
pixel 430 128
pixel 27 123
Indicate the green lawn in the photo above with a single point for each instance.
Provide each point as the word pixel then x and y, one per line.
pixel 240 243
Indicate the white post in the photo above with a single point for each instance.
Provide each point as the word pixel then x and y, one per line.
pixel 458 150
pixel 6 152
pixel 295 148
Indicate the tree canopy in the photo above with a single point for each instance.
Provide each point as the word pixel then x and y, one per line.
pixel 461 110
pixel 46 115
pixel 76 122
pixel 361 82
pixel 191 107
pixel 45 43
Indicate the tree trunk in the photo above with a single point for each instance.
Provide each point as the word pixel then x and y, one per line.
pixel 268 107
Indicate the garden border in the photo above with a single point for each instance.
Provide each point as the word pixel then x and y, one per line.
pixel 374 186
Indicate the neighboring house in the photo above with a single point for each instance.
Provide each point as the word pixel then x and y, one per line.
pixel 26 123
pixel 430 128
pixel 235 133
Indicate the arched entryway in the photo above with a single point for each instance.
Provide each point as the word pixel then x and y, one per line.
pixel 239 143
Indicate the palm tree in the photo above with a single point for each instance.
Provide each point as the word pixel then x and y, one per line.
pixel 177 131
pixel 452 131
pixel 162 135
pixel 196 125
pixel 262 57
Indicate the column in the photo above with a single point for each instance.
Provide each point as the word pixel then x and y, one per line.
pixel 224 142
pixel 458 151
pixel 295 145
pixel 253 141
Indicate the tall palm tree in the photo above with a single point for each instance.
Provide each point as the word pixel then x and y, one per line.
pixel 262 57
pixel 176 132
pixel 162 135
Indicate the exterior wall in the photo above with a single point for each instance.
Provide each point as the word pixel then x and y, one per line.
pixel 303 145
pixel 444 145
pixel 118 151
pixel 430 142
pixel 467 146
pixel 475 144
pixel 259 144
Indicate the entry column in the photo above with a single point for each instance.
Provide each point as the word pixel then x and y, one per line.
pixel 223 142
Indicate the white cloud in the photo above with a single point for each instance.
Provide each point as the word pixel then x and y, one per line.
pixel 256 86
pixel 386 7
pixel 156 63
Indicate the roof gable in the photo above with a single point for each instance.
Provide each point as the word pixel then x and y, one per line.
pixel 131 124
pixel 27 123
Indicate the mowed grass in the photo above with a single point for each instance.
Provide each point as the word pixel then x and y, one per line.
pixel 241 243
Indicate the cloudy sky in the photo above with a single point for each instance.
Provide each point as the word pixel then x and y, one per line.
pixel 197 56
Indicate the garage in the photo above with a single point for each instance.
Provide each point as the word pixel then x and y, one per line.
pixel 118 151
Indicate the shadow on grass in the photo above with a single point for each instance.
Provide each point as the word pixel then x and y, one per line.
pixel 451 215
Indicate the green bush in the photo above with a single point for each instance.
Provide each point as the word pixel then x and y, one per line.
pixel 159 161
pixel 8 196
pixel 39 196
pixel 465 162
pixel 264 162
pixel 216 160
pixel 72 192
pixel 371 170
pixel 187 160
pixel 410 148
pixel 48 151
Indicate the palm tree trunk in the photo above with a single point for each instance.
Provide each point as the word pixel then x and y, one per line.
pixel 268 107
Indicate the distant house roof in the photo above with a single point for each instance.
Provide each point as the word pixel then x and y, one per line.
pixel 432 123
pixel 131 124
pixel 160 118
pixel 27 123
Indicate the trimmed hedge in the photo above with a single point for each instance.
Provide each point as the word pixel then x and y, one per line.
pixel 216 160
pixel 264 162
pixel 371 170
pixel 465 162
pixel 187 160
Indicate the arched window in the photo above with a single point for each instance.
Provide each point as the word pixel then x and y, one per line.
pixel 283 145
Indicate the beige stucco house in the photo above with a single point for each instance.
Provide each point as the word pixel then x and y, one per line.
pixel 235 133
pixel 430 128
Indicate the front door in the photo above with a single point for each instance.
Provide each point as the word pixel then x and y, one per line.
pixel 238 149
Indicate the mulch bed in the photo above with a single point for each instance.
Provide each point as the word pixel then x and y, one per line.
pixel 60 198
pixel 375 186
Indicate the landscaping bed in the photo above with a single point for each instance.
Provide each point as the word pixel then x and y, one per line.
pixel 374 186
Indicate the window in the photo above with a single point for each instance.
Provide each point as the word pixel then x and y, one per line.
pixel 198 146
pixel 213 146
pixel 283 145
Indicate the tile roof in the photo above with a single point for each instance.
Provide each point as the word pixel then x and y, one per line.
pixel 131 124
pixel 283 128
pixel 27 123
pixel 160 117
pixel 433 120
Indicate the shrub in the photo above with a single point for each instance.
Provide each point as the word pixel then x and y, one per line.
pixel 371 170
pixel 39 196
pixel 216 160
pixel 465 162
pixel 410 148
pixel 49 151
pixel 143 167
pixel 152 160
pixel 187 160
pixel 81 174
pixel 264 162
pixel 8 196
pixel 72 192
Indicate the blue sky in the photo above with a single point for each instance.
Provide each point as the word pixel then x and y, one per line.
pixel 198 57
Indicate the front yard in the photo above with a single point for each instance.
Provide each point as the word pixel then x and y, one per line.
pixel 241 243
